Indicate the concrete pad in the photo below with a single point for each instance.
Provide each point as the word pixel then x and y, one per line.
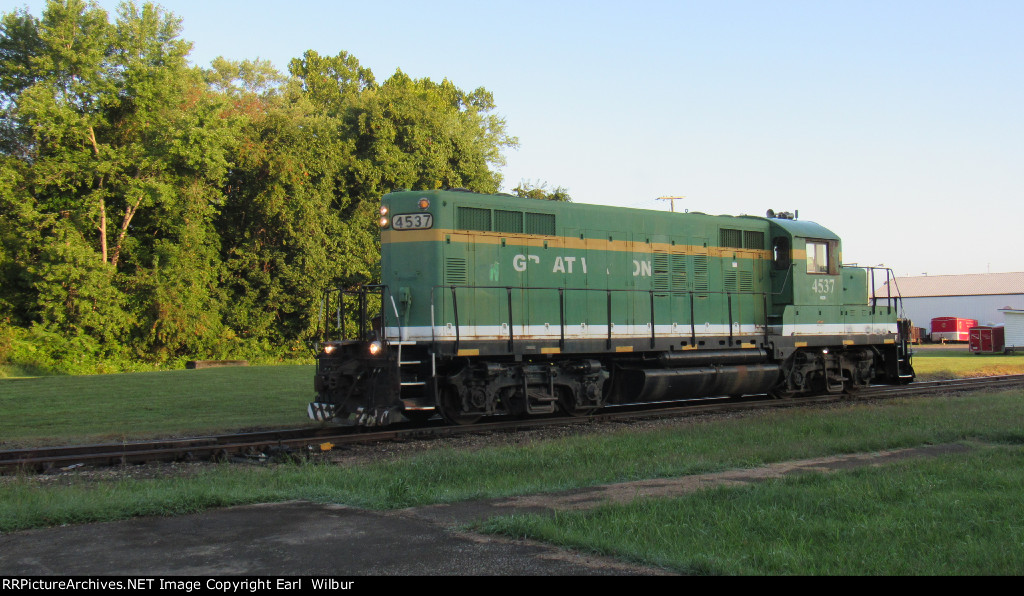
pixel 296 538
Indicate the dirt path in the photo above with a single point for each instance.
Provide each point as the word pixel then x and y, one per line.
pixel 584 498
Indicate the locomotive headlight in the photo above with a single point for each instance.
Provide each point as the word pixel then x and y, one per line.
pixel 330 348
pixel 424 203
pixel 383 210
pixel 376 348
pixel 383 222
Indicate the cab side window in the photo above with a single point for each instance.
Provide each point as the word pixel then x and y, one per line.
pixel 819 257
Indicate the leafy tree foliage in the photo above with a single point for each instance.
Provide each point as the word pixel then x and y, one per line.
pixel 539 190
pixel 152 210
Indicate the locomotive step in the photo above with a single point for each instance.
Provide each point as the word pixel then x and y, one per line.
pixel 541 396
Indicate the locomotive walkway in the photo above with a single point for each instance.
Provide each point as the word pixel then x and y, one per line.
pixel 307 539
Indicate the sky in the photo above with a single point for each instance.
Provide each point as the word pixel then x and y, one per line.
pixel 897 124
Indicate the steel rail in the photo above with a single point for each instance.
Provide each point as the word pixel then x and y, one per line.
pixel 301 441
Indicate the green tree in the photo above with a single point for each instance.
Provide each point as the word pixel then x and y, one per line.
pixel 539 190
pixel 54 94
pixel 19 237
pixel 153 209
pixel 333 83
pixel 123 151
pixel 404 133
pixel 407 133
pixel 287 228
pixel 415 133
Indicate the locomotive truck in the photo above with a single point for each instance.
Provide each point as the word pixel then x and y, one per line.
pixel 499 305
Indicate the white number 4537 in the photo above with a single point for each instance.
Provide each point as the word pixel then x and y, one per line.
pixel 823 286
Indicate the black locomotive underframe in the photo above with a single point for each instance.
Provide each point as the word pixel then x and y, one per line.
pixel 483 379
pixel 520 388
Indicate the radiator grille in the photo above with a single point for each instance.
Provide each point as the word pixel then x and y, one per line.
pixel 508 221
pixel 540 223
pixel 472 218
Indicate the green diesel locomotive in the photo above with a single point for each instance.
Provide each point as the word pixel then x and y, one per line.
pixel 492 304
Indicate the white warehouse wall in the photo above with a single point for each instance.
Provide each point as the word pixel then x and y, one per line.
pixel 985 309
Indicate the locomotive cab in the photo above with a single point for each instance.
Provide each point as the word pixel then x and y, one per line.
pixel 830 334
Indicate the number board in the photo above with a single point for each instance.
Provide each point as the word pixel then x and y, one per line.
pixel 412 221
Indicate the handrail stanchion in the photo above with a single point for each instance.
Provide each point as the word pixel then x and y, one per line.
pixel 561 319
pixel 455 312
pixel 652 319
pixel 693 328
pixel 609 343
pixel 888 291
pixel 764 298
pixel 511 341
pixel 340 314
pixel 729 301
pixel 875 298
pixel 362 314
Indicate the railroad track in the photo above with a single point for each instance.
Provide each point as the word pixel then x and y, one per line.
pixel 299 442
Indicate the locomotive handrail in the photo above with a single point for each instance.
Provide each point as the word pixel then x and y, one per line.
pixel 561 307
pixel 361 294
pixel 890 281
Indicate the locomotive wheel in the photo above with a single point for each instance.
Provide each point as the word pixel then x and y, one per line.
pixel 567 403
pixel 451 408
pixel 850 387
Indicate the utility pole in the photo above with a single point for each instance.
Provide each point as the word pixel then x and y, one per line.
pixel 672 200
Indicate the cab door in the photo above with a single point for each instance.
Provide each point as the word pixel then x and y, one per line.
pixel 817 288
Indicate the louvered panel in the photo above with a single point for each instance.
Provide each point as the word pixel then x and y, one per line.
pixel 662 272
pixel 455 271
pixel 730 281
pixel 746 281
pixel 700 273
pixel 679 282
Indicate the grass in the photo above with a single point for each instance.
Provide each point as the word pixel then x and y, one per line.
pixel 957 514
pixel 71 409
pixel 448 475
pixel 954 515
pixel 954 363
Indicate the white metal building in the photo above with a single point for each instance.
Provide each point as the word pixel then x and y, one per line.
pixel 981 296
pixel 1014 328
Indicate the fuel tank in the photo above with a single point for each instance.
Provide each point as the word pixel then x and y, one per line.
pixel 689 375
